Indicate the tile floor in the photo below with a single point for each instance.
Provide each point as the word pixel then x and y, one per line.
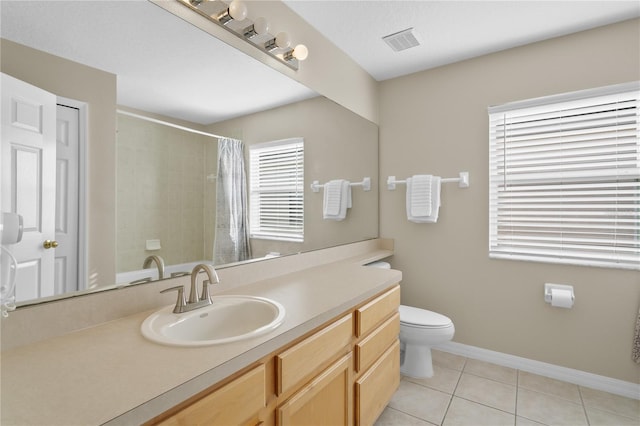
pixel 468 392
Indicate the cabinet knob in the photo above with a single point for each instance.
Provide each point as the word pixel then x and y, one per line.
pixel 50 244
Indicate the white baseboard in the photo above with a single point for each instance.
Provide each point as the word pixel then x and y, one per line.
pixel 581 378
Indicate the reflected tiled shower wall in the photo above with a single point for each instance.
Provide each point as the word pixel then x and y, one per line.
pixel 163 193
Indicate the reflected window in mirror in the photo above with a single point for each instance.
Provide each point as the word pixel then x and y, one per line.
pixel 277 190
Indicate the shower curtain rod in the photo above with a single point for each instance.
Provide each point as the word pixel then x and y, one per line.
pixel 166 123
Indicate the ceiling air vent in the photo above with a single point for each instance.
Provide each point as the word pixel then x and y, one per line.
pixel 402 40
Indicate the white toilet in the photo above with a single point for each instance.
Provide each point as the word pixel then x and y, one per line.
pixel 419 331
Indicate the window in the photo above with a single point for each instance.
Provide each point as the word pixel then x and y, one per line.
pixel 277 190
pixel 565 178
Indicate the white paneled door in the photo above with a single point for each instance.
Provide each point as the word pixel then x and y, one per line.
pixel 29 182
pixel 67 164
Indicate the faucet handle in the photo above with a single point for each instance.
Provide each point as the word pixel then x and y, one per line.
pixel 205 291
pixel 181 302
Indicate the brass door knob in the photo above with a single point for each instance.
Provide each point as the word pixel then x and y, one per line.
pixel 50 244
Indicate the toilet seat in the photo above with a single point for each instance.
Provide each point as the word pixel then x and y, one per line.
pixel 421 318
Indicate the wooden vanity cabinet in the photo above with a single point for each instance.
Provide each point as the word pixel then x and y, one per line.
pixel 377 355
pixel 344 373
pixel 326 400
pixel 312 392
pixel 305 359
pixel 237 403
pixel 376 386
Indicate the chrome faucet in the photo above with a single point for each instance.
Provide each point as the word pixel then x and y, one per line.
pixel 159 264
pixel 212 278
pixel 195 301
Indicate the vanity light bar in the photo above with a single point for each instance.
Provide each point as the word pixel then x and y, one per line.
pixel 232 18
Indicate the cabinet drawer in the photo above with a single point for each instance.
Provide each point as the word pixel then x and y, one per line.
pixel 305 358
pixel 372 346
pixel 371 314
pixel 234 403
pixel 376 387
pixel 326 400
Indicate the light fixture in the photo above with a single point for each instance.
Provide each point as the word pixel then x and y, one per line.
pixel 233 18
pixel 283 40
pixel 259 27
pixel 300 52
pixel 237 10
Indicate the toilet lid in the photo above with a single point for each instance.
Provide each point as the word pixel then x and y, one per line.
pixel 422 318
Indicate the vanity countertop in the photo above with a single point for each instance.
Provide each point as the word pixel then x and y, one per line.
pixel 111 374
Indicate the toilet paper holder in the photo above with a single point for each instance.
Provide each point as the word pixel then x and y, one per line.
pixel 549 287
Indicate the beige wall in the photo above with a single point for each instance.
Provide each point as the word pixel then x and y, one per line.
pixel 98 89
pixel 163 193
pixel 436 122
pixel 338 144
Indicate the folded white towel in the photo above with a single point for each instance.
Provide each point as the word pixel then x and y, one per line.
pixel 332 198
pixel 337 199
pixel 419 194
pixel 435 202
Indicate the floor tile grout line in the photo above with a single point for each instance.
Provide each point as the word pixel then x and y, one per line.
pixel 486 405
pixel 554 395
pixel 605 409
pixel 411 415
pixel 584 408
pixel 404 378
pixel 489 378
pixel 453 392
pixel 550 395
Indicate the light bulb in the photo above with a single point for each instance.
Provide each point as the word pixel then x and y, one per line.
pixel 238 10
pixel 300 52
pixel 283 40
pixel 261 26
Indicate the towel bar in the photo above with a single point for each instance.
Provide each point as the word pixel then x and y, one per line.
pixel 365 184
pixel 463 181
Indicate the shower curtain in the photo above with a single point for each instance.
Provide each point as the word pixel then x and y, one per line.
pixel 231 241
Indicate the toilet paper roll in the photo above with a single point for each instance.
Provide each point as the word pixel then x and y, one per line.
pixel 561 298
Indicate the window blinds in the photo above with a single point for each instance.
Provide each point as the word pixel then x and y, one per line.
pixel 565 179
pixel 277 190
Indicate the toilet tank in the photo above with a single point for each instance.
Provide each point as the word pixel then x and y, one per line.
pixel 379 264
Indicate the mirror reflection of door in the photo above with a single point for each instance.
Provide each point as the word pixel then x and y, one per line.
pixel 67 184
pixel 40 187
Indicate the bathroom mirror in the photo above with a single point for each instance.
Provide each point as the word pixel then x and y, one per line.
pixel 338 142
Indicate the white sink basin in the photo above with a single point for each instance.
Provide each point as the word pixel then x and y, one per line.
pixel 228 319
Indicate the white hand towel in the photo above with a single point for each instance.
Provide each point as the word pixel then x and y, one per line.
pixel 346 188
pixel 337 199
pixel 435 202
pixel 332 198
pixel 419 192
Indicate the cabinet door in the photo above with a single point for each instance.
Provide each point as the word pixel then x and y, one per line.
pixel 327 400
pixel 374 312
pixel 235 403
pixel 376 387
pixel 303 360
pixel 372 346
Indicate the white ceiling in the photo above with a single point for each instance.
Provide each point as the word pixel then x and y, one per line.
pixel 169 67
pixel 450 31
